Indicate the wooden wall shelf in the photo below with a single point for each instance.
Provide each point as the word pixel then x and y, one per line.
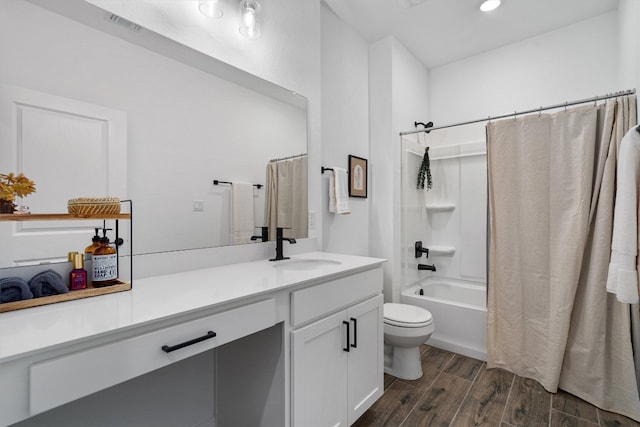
pixel 90 291
pixel 69 296
pixel 59 217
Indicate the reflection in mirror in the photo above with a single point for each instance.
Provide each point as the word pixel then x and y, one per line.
pixel 185 128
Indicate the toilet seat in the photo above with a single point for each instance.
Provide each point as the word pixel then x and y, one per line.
pixel 406 316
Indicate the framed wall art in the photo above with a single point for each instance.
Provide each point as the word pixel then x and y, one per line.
pixel 357 177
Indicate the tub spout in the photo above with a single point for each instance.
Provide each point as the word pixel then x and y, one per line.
pixel 427 267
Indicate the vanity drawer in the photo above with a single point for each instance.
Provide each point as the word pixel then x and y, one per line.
pixel 61 380
pixel 317 301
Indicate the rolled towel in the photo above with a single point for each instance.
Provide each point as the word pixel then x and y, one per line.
pixel 47 283
pixel 14 289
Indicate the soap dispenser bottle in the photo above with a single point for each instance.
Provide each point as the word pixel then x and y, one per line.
pixel 95 244
pixel 105 263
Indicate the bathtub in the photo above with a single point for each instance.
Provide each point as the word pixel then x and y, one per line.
pixel 459 313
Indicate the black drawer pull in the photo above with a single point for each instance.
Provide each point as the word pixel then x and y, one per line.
pixel 170 348
pixel 348 333
pixel 355 332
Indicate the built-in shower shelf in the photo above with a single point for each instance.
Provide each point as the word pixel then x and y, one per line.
pixel 440 207
pixel 441 250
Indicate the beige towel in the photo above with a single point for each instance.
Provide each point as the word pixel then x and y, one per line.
pixel 242 216
pixel 338 192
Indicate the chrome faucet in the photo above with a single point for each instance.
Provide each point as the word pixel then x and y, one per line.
pixel 279 240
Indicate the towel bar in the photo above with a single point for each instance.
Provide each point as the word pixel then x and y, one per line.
pixel 218 182
pixel 322 169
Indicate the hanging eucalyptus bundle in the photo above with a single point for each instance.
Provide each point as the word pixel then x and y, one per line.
pixel 425 171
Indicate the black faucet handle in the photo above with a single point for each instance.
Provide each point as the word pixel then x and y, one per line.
pixel 264 235
pixel 419 250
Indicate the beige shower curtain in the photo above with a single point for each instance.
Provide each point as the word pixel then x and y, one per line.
pixel 286 200
pixel 551 193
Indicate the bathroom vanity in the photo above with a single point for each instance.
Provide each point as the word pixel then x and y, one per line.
pixel 290 343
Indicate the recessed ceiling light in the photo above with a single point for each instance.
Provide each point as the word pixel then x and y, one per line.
pixel 407 4
pixel 489 5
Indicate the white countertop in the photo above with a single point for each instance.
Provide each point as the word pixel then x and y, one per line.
pixel 156 298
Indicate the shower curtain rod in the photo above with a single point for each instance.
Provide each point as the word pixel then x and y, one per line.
pixel 535 110
pixel 288 157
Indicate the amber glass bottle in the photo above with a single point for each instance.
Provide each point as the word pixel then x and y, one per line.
pixel 105 264
pixel 95 244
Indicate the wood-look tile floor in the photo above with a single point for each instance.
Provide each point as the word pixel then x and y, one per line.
pixel 460 391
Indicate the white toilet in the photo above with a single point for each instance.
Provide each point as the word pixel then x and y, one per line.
pixel 406 327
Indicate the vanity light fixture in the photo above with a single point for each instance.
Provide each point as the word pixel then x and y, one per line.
pixel 250 19
pixel 210 8
pixel 489 5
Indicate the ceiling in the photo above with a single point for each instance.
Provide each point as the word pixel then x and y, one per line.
pixel 441 31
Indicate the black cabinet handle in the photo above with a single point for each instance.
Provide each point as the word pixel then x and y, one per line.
pixel 348 333
pixel 170 348
pixel 355 332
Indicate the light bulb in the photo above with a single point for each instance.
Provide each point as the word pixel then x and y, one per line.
pixel 210 8
pixel 250 19
pixel 489 5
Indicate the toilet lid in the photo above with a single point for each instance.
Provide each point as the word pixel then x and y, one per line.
pixel 396 314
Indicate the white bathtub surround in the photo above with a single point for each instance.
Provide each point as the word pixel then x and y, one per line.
pixel 551 186
pixel 451 217
pixel 53 355
pixel 459 310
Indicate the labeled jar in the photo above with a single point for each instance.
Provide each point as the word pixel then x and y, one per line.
pixel 105 264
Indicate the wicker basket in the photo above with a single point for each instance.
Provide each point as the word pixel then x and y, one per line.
pixel 94 206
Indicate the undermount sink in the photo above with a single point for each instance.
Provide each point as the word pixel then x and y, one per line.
pixel 304 264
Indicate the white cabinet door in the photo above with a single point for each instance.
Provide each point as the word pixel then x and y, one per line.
pixel 319 368
pixel 365 361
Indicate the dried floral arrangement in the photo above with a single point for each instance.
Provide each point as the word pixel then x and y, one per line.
pixel 12 186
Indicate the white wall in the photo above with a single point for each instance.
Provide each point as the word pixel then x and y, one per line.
pixel 345 129
pixel 398 97
pixel 574 62
pixel 629 43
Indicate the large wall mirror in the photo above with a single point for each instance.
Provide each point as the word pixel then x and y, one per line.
pixel 189 120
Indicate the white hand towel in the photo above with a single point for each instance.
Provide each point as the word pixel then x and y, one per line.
pixel 338 192
pixel 242 216
pixel 623 267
